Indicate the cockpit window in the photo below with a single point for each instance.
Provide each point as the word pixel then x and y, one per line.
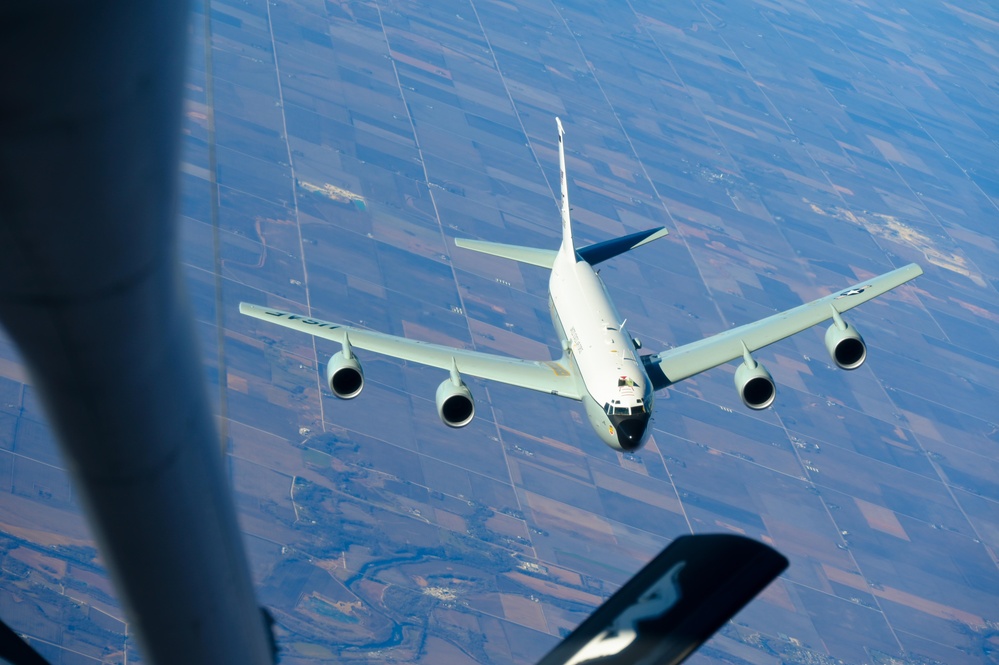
pixel 616 409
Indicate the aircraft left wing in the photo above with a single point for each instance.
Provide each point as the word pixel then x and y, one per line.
pixel 543 376
pixel 685 361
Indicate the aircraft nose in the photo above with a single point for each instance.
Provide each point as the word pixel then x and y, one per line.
pixel 631 430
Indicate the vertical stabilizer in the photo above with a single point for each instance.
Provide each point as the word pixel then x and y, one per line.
pixel 566 226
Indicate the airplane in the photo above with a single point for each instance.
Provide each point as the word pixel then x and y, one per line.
pixel 600 365
pixel 91 293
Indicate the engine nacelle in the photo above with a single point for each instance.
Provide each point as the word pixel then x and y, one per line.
pixel 344 375
pixel 455 405
pixel 845 345
pixel 755 385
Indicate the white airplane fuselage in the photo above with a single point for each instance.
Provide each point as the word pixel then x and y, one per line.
pixel 617 393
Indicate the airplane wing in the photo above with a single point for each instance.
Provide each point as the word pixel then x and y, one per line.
pixel 685 361
pixel 670 607
pixel 544 376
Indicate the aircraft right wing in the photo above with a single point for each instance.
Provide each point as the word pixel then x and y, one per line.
pixel 543 376
pixel 685 361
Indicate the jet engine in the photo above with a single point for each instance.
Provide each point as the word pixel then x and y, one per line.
pixel 754 383
pixel 455 405
pixel 344 375
pixel 845 345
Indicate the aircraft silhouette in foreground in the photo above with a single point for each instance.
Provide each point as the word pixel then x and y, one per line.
pixel 600 365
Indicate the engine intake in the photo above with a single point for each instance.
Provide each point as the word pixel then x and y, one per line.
pixel 845 345
pixel 344 375
pixel 754 383
pixel 455 405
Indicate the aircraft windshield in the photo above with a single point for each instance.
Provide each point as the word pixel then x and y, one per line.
pixel 616 410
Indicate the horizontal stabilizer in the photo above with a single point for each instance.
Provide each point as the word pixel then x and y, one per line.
pixel 536 257
pixel 673 604
pixel 608 249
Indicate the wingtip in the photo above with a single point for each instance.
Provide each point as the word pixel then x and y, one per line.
pixel 558 123
pixel 910 271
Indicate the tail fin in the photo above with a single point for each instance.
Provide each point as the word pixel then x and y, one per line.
pixel 545 258
pixel 566 225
